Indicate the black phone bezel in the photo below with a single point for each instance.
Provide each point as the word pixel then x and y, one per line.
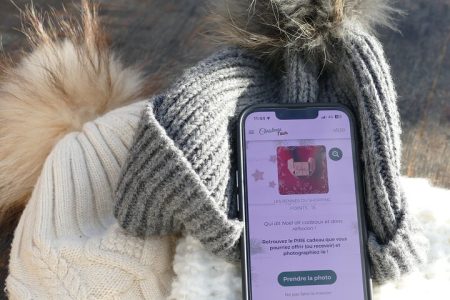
pixel 242 203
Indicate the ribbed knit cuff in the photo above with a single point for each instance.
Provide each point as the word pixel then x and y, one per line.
pixel 396 245
pixel 178 174
pixel 403 253
pixel 160 193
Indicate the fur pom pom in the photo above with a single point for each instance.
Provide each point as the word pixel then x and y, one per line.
pixel 70 77
pixel 270 26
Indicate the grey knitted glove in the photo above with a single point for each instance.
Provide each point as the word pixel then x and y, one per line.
pixel 179 175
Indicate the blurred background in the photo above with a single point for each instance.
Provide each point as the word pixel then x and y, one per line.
pixel 165 36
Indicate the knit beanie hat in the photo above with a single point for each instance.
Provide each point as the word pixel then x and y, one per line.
pixel 64 113
pixel 179 176
pixel 67 244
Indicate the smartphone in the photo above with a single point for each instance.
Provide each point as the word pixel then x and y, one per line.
pixel 301 199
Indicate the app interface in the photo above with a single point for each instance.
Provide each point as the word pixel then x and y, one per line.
pixel 302 208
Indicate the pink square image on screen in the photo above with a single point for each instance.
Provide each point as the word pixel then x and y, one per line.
pixel 302 170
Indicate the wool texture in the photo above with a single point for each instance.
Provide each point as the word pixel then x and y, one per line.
pixel 179 175
pixel 67 244
pixel 176 175
pixel 200 275
pixel 181 159
pixel 62 160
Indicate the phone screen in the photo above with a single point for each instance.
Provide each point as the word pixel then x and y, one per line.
pixel 303 233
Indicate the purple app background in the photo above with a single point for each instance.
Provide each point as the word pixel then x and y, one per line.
pixel 301 232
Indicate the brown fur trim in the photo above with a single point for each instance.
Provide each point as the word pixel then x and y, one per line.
pixel 69 78
pixel 268 27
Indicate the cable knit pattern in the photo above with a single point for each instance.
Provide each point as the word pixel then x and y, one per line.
pixel 67 244
pixel 179 176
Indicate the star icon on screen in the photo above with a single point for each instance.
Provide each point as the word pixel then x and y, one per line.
pixel 258 175
pixel 272 184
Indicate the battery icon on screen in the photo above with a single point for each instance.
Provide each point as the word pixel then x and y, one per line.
pixel 337 116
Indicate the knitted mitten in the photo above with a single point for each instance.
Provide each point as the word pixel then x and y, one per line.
pixel 179 176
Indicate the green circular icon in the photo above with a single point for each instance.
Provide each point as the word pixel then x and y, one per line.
pixel 335 154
